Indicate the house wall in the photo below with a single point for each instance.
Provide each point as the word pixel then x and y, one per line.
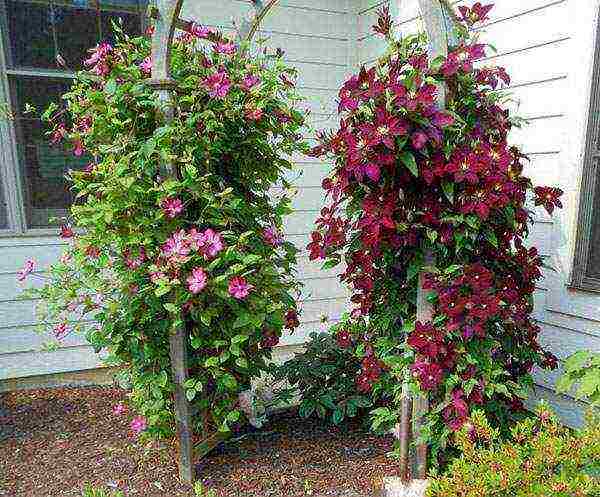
pixel 548 47
pixel 318 38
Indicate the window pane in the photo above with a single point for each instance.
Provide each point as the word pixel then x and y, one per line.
pixel 31 40
pixel 77 30
pixel 593 269
pixel 43 166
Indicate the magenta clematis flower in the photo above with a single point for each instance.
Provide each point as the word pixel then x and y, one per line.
pixel 146 65
pixel 225 48
pixel 61 330
pixel 197 281
pixel 250 81
pixel 200 31
pixel 419 139
pixel 442 120
pixel 548 197
pixel 239 287
pixel 118 409
pixel 78 149
pixel 138 424
pixel 98 54
pixel 213 244
pixel 59 134
pixel 26 270
pixel 66 232
pixel 172 207
pixel 272 236
pixel 218 84
pixel 254 114
pixel 177 246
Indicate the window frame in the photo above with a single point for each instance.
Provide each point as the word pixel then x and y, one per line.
pixel 588 196
pixel 11 181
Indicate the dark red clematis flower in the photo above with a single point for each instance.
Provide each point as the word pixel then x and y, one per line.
pixel 476 14
pixel 428 375
pixel 343 339
pixel 548 197
pixel 384 130
pixel 291 319
pixel 384 22
pixel 66 232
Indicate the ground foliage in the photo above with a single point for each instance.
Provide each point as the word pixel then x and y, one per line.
pixel 149 251
pixel 410 179
pixel 540 459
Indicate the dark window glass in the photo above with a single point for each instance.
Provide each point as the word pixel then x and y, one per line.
pixel 38 32
pixel 31 41
pixel 593 268
pixel 43 165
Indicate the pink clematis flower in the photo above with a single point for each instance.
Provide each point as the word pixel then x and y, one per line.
pixel 26 270
pixel 138 424
pixel 78 149
pixel 254 114
pixel 58 134
pixel 250 81
pixel 172 207
pixel 272 236
pixel 118 409
pixel 197 281
pixel 209 243
pixel 218 84
pixel 225 48
pixel 239 287
pixel 146 65
pixel 98 53
pixel 61 330
pixel 200 31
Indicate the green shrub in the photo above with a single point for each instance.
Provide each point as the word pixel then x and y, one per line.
pixel 540 459
pixel 325 377
pixel 582 371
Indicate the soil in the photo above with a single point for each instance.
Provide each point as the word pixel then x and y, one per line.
pixel 54 442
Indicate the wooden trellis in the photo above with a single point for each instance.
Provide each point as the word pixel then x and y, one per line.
pixel 166 15
pixel 439 23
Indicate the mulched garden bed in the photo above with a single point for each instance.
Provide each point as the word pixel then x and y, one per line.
pixel 53 442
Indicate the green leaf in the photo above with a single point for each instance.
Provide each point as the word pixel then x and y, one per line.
pixel 228 381
pixel 330 263
pixel 577 361
pixel 338 416
pixel 242 320
pixel 172 308
pixel 448 189
pixel 408 159
pixel 239 338
pixel 589 383
pixel 564 384
pixel 190 394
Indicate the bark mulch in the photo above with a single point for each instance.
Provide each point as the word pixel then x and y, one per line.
pixel 55 441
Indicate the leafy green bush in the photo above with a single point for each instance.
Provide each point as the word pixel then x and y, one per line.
pixel 325 377
pixel 201 250
pixel 541 459
pixel 582 371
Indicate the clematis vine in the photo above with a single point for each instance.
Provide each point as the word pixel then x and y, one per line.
pixel 409 178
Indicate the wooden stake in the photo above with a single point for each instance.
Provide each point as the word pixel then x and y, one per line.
pixel 166 13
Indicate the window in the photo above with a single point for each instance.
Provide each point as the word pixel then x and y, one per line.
pixel 586 267
pixel 45 42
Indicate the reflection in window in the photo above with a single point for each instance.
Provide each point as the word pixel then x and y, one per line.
pixel 40 33
pixel 593 268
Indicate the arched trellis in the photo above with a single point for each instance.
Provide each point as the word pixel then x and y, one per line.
pixel 166 15
pixel 439 22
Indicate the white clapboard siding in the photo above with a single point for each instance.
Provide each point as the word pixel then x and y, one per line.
pixel 317 38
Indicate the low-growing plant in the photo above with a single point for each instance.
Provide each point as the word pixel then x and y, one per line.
pixel 324 376
pixel 540 459
pixel 582 372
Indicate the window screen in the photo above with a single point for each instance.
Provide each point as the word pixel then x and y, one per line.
pixel 39 34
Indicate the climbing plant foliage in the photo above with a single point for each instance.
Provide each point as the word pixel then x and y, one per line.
pixel 203 250
pixel 410 179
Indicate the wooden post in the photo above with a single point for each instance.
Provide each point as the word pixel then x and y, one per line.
pixel 166 13
pixel 439 20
